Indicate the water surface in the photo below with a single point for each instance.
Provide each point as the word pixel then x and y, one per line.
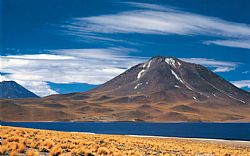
pixel 228 131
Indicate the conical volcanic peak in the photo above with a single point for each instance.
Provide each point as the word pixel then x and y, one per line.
pixel 11 89
pixel 170 79
pixel 157 74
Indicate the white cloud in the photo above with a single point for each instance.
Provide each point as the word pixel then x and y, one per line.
pixel 40 57
pixel 231 43
pixel 220 66
pixel 241 83
pixel 246 72
pixel 38 87
pixel 104 54
pixel 93 66
pixel 223 69
pixel 147 6
pixel 155 19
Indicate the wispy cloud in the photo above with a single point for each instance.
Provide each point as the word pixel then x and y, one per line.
pixel 246 72
pixel 113 53
pixel 231 43
pixel 220 66
pixel 155 19
pixel 39 57
pixel 241 83
pixel 93 66
pixel 148 6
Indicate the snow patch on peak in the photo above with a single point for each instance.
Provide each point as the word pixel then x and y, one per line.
pixel 176 86
pixel 179 79
pixel 149 64
pixel 144 67
pixel 137 85
pixel 140 73
pixel 170 61
pixel 176 76
pixel 189 87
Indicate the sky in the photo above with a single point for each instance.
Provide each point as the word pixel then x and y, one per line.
pixel 64 46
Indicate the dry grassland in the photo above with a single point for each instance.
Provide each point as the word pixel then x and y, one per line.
pixel 32 142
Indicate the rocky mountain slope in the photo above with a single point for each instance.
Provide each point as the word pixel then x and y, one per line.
pixel 11 89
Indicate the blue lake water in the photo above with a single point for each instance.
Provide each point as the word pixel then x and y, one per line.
pixel 228 131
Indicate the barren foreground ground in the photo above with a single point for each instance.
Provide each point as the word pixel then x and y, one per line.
pixel 24 141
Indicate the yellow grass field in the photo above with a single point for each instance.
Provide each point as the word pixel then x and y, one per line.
pixel 32 142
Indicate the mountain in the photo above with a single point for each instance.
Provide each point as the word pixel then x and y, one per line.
pixel 171 80
pixel 163 89
pixel 11 89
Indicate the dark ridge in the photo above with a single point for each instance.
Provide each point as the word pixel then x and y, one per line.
pixel 11 89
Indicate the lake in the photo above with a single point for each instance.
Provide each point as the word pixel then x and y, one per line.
pixel 228 131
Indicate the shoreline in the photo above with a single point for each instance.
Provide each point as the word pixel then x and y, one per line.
pixel 196 139
pixel 162 137
pixel 168 122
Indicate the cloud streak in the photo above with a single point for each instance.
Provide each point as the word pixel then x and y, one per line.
pixel 220 66
pixel 241 83
pixel 93 66
pixel 160 20
pixel 231 43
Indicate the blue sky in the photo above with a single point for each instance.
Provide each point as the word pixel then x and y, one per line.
pixel 62 46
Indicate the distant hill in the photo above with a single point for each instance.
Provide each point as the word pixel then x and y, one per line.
pixel 162 89
pixel 11 89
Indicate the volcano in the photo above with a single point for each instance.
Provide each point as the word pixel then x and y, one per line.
pixel 169 80
pixel 11 89
pixel 162 89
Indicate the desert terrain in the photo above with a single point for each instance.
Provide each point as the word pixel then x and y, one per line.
pixel 95 109
pixel 32 142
